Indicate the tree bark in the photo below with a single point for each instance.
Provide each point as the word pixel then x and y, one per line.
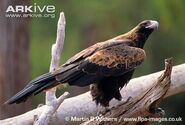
pixel 14 58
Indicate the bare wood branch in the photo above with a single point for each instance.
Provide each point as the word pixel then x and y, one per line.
pixel 82 106
pixel 52 103
pixel 58 46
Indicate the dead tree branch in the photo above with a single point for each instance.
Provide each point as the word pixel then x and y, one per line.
pixel 82 106
pixel 52 103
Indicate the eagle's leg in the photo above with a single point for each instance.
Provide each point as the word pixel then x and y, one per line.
pixel 96 95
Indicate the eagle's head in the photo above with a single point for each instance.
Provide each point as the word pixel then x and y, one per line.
pixel 141 32
pixel 147 27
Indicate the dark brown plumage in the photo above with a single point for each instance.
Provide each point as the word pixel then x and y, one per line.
pixel 106 66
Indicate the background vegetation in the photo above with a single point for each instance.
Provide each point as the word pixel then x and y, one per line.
pixel 92 21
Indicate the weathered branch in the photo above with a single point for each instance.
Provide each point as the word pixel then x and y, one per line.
pixel 82 106
pixel 52 103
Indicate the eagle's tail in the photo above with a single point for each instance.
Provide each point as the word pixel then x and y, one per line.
pixel 37 85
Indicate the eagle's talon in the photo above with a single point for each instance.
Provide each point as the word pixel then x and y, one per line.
pixel 122 102
pixel 104 111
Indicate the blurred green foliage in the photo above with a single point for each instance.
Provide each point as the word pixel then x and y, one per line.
pixel 92 21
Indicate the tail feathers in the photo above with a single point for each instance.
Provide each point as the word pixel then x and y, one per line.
pixel 33 88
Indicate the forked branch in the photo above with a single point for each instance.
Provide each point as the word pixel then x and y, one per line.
pixel 52 103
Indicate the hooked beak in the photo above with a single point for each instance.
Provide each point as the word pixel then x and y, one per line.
pixel 153 24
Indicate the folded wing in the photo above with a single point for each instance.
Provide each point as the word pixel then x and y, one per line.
pixel 111 61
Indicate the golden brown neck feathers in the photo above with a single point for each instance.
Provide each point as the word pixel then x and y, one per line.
pixel 132 35
pixel 136 35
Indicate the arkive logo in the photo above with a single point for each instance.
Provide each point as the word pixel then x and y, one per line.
pixel 31 8
pixel 31 11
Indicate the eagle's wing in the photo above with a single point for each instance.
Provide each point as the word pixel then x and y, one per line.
pixel 113 60
pixel 83 54
pixel 92 49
